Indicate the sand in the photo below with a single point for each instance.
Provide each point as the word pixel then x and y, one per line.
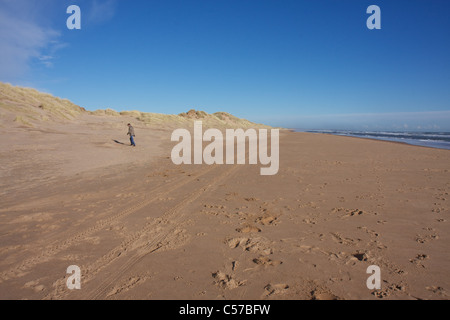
pixel 140 227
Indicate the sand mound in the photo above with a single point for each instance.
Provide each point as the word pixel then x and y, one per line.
pixel 106 112
pixel 26 107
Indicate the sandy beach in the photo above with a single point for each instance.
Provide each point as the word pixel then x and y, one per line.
pixel 224 158
pixel 140 227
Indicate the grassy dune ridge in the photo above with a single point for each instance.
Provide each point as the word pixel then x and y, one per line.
pixel 27 107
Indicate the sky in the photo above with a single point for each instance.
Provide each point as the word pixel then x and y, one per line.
pixel 292 63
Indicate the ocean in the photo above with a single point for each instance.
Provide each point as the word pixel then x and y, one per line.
pixel 440 140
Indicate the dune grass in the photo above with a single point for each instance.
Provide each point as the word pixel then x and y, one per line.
pixel 28 101
pixel 22 121
pixel 29 105
pixel 105 112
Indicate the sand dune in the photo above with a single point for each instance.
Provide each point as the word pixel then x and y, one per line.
pixel 27 107
pixel 139 227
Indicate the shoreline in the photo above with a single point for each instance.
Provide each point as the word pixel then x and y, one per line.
pixel 368 138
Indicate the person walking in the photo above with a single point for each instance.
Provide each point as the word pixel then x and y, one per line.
pixel 131 134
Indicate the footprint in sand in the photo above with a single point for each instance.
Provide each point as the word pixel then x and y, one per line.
pixel 347 213
pixel 35 286
pixel 266 261
pixel 237 242
pixel 319 294
pixel 226 281
pixel 215 210
pixel 419 259
pixel 266 220
pixel 391 289
pixel 275 289
pixel 337 237
pixel 248 229
pixel 350 258
pixel 231 194
pixel 309 221
pixel 251 245
pixel 437 290
pixel 370 232
pixel 425 238
pixel 438 210
pixel 360 256
pixel 212 206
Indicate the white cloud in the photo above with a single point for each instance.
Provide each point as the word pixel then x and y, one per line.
pixel 47 61
pixel 23 40
pixel 28 36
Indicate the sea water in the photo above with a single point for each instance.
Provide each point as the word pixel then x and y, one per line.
pixel 439 140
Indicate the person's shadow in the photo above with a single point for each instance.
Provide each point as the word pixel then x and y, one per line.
pixel 119 142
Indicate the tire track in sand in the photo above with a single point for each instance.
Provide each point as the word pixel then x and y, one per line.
pixel 151 244
pixel 22 268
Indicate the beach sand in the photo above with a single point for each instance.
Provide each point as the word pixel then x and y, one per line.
pixel 140 227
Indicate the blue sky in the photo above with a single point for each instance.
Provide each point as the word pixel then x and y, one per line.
pixel 304 64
